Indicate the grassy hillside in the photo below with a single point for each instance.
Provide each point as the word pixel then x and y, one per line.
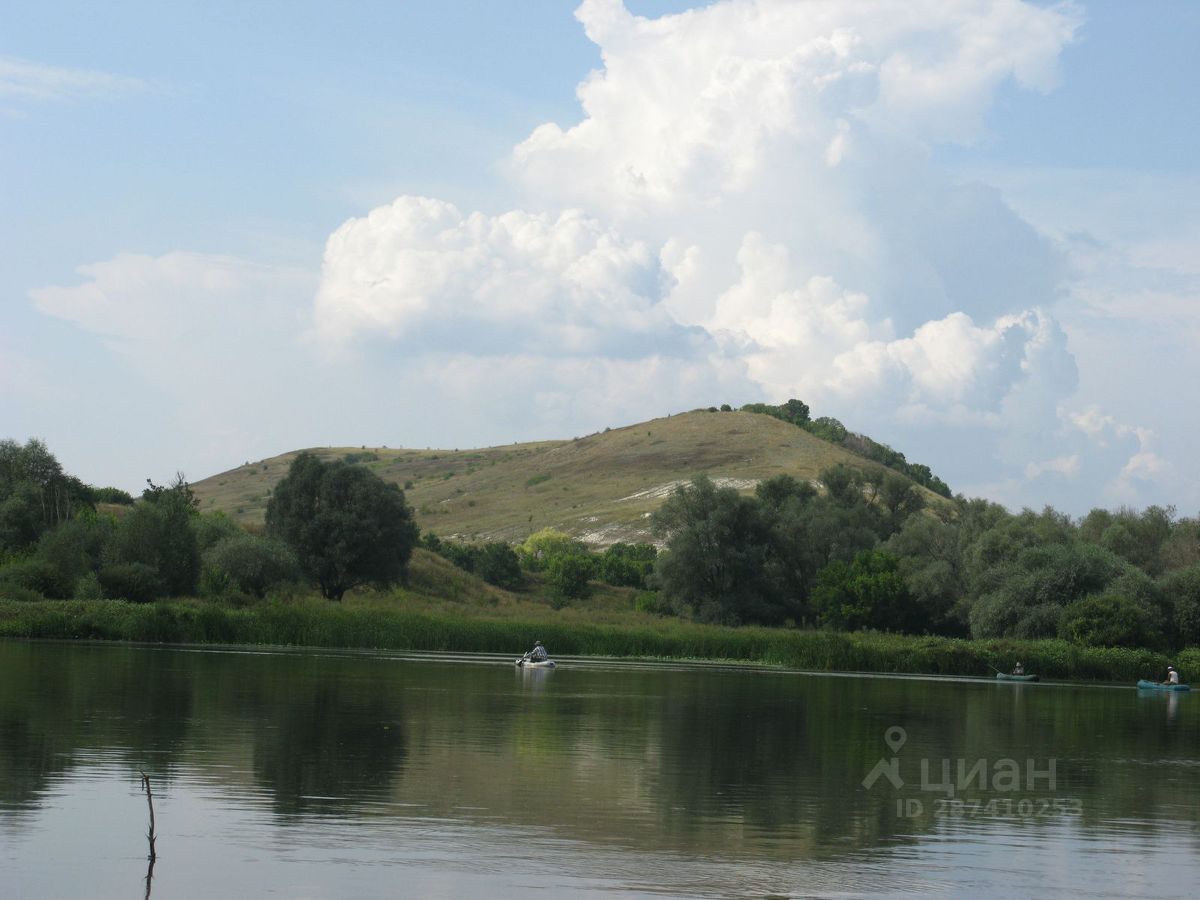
pixel 601 488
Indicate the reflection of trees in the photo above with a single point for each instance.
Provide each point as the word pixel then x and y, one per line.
pixel 324 743
pixel 699 761
pixel 28 760
pixel 55 699
pixel 775 754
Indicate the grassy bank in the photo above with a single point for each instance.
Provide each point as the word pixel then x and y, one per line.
pixel 314 623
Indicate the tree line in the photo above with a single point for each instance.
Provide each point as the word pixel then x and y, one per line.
pixel 866 552
pixel 856 549
pixel 796 412
pixel 334 525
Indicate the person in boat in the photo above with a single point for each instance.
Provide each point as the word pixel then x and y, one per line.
pixel 1172 676
pixel 538 653
pixel 1018 669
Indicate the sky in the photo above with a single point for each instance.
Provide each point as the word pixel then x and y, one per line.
pixel 970 230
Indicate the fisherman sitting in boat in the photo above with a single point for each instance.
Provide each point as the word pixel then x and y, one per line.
pixel 1018 669
pixel 1172 676
pixel 538 653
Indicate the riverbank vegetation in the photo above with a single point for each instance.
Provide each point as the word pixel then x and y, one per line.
pixel 859 571
pixel 376 624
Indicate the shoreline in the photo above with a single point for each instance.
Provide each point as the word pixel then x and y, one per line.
pixel 321 625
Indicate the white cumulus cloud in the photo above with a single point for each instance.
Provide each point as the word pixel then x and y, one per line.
pixel 749 207
pixel 752 187
pixel 420 272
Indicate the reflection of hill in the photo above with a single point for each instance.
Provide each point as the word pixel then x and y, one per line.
pixel 709 761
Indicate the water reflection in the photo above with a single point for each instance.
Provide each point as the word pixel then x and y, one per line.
pixel 326 742
pixel 687 765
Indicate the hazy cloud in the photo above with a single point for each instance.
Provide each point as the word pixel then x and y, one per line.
pixel 25 80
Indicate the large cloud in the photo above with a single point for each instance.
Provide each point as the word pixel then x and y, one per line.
pixel 754 182
pixel 421 273
pixel 689 109
pixel 750 207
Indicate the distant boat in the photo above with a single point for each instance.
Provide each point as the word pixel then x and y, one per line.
pixel 523 663
pixel 1144 685
pixel 1000 676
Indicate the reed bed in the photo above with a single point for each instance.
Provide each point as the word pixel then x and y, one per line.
pixel 314 623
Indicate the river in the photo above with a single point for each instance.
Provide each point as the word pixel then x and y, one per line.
pixel 322 774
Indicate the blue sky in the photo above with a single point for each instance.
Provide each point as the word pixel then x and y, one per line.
pixel 969 230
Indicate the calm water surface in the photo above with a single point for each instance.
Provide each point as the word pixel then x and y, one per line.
pixel 324 774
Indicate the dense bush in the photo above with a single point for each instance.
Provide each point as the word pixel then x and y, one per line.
pixel 497 563
pixel 135 582
pixel 112 495
pixel 1025 597
pixel 212 528
pixel 88 587
pixel 74 549
pixel 250 564
pixel 542 546
pixel 36 576
pixel 652 602
pixel 1111 620
pixel 568 574
pixel 627 565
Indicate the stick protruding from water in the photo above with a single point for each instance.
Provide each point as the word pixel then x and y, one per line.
pixel 150 803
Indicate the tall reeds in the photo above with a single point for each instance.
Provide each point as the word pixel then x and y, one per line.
pixel 323 624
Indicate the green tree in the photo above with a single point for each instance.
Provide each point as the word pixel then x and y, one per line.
pixel 158 534
pixel 1182 590
pixel 717 563
pixel 33 463
pixel 542 546
pixel 795 411
pixel 930 557
pixel 347 526
pixel 21 520
pixel 828 428
pixel 899 499
pixel 870 592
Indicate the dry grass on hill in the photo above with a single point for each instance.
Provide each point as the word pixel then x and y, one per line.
pixel 601 488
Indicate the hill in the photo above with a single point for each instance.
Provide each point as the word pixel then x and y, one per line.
pixel 601 488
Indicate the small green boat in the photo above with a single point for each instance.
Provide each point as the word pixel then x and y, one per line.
pixel 1000 676
pixel 1144 685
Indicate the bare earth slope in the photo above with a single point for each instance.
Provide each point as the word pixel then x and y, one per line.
pixel 601 488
